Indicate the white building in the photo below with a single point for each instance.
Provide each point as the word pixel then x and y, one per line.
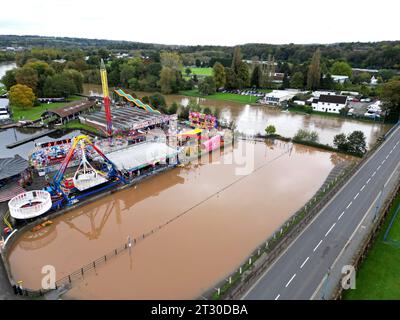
pixel 316 94
pixel 339 78
pixel 4 109
pixel 277 97
pixel 329 103
pixel 373 81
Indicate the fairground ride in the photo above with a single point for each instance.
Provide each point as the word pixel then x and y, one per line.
pixel 106 97
pixel 87 179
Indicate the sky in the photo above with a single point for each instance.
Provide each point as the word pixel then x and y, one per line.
pixel 206 22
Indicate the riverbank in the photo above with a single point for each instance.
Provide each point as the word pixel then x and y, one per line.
pixel 300 110
pixel 230 97
pixel 378 276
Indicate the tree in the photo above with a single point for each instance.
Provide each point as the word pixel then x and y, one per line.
pixel 59 85
pixel 243 76
pixel 270 130
pixel 237 59
pixel 157 100
pixel 76 77
pixel 167 80
pixel 304 135
pixel 297 80
pixel 230 76
pixel 188 71
pixel 327 82
pixel 171 60
pixel 207 86
pixel 256 77
pixel 219 75
pixel 173 108
pixel 207 110
pixel 340 142
pixel 154 69
pixel 314 71
pixel 341 68
pixel 389 92
pixel 21 96
pixel 184 113
pixel 27 76
pixel 126 72
pixel 9 79
pixel 285 81
pixel 356 141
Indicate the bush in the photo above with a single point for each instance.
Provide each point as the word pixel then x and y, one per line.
pixel 304 135
pixel 270 130
pixel 354 143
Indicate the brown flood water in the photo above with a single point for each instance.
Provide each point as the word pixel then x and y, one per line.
pixel 254 119
pixel 191 254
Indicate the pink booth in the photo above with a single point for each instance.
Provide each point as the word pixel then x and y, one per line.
pixel 212 143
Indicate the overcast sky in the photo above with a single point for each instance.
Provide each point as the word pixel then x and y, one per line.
pixel 216 22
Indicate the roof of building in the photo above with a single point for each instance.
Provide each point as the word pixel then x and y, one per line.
pixel 141 155
pixel 126 118
pixel 10 190
pixel 10 167
pixel 4 103
pixel 332 99
pixel 71 108
pixel 281 93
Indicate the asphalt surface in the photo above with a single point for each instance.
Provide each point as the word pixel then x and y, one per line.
pixel 299 271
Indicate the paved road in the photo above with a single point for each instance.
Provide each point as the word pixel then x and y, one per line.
pixel 299 271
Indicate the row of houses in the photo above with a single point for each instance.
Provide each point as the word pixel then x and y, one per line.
pixel 320 101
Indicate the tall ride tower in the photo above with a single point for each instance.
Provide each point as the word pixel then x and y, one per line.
pixel 106 97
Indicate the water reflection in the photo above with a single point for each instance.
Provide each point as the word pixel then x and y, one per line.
pixel 216 221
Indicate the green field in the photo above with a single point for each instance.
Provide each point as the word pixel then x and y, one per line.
pixel 200 71
pixel 222 96
pixel 378 276
pixel 34 113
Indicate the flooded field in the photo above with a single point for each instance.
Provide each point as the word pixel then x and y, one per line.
pixel 224 216
pixel 254 119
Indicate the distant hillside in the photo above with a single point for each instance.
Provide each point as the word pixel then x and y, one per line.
pixel 379 55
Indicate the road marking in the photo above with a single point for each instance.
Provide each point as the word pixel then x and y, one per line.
pixel 383 161
pixel 341 215
pixel 369 179
pixel 391 151
pixel 369 160
pixel 355 197
pixel 304 262
pixel 348 206
pixel 378 167
pixel 362 188
pixel 345 246
pixel 330 229
pixel 287 284
pixel 373 174
pixel 387 157
pixel 316 247
pixel 277 297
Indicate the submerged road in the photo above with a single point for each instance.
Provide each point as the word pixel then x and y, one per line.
pixel 301 269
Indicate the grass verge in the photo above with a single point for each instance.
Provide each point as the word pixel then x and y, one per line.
pixel 378 276
pixel 231 97
pixel 76 125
